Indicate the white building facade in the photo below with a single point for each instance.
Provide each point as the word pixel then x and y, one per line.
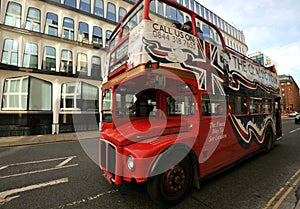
pixel 52 58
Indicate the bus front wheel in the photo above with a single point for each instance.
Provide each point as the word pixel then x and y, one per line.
pixel 170 187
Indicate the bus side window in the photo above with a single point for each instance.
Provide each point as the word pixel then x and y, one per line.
pixel 238 105
pixel 213 105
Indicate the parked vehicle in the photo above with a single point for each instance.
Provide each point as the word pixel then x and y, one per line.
pixel 293 114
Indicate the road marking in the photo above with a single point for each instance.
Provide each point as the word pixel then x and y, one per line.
pixel 38 171
pixel 38 161
pixel 6 195
pixel 278 203
pixel 297 129
pixel 65 161
pixel 3 167
pixel 289 189
pixel 91 198
pixel 59 166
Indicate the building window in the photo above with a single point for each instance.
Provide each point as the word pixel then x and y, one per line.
pixel 71 3
pixel 187 3
pixel 160 8
pixel 51 26
pixel 79 96
pixel 15 94
pixel 122 12
pixel 153 6
pixel 66 64
pixel 81 63
pixel 85 5
pixel 111 12
pixel 49 60
pixel 27 93
pixel 70 95
pixel 83 32
pixel 96 67
pixel 206 14
pixel 97 37
pixel 68 28
pixel 107 36
pixel 13 14
pixel 192 5
pixel 33 21
pixel 171 12
pixel 30 58
pixel 90 98
pixel 10 52
pixel 40 95
pixel 98 8
pixel 174 14
pixel 197 10
pixel 202 10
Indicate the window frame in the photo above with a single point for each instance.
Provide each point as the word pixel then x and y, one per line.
pixel 96 68
pixel 70 3
pixel 99 9
pixel 51 24
pixel 68 30
pixel 31 23
pixel 111 15
pixel 31 51
pixel 82 63
pixel 83 4
pixel 77 98
pixel 97 40
pixel 83 31
pixel 30 94
pixel 11 50
pixel 16 16
pixel 45 56
pixel 68 60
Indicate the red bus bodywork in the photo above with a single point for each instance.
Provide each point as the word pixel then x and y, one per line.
pixel 159 114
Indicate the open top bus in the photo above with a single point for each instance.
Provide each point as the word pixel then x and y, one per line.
pixel 179 105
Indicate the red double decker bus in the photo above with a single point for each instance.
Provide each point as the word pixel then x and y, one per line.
pixel 178 104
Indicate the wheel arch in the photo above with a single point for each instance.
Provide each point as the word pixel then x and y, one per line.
pixel 188 151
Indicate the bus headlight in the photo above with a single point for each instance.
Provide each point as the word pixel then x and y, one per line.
pixel 130 163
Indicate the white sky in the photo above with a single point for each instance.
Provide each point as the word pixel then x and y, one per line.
pixel 270 26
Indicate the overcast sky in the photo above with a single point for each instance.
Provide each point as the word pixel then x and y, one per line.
pixel 270 26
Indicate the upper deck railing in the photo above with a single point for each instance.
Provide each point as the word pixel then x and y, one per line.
pixel 143 36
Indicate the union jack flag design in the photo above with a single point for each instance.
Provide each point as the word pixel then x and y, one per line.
pixel 204 64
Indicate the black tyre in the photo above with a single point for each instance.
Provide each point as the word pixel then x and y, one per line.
pixel 170 187
pixel 268 140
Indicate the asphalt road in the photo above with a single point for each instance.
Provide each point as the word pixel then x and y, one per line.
pixel 62 175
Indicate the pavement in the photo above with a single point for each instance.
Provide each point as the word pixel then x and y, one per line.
pixel 53 138
pixel 49 138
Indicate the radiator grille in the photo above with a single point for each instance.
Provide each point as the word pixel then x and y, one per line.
pixel 108 156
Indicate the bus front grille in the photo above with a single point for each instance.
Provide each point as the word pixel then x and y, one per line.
pixel 108 157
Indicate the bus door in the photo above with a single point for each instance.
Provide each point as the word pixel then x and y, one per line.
pixel 215 144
